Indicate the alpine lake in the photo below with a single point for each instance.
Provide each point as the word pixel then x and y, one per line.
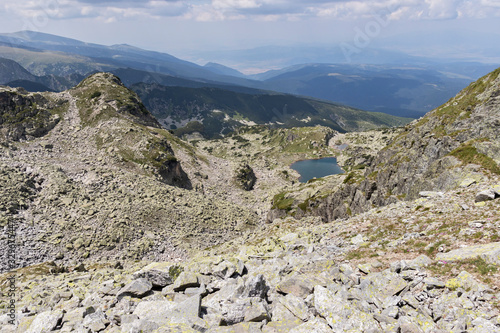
pixel 317 168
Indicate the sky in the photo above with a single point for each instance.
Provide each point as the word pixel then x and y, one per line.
pixel 187 28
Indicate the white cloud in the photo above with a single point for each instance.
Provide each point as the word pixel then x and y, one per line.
pixel 235 4
pixel 220 10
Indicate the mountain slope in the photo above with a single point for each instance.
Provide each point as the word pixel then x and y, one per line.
pixel 407 91
pixel 106 241
pixel 457 143
pixel 221 111
pixel 34 51
pixel 101 178
pixel 11 70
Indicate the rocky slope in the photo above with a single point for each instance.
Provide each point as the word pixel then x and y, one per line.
pixel 103 179
pixel 217 112
pixel 455 143
pixel 122 227
pixel 366 274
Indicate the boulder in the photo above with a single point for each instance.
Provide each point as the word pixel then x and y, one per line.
pixel 256 287
pixel 157 274
pixel 46 321
pixel 186 280
pixel 489 252
pixel 295 286
pixel 136 288
pixel 486 195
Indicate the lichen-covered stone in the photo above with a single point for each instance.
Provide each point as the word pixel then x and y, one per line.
pixel 489 252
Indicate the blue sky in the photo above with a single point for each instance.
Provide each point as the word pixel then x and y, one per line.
pixel 184 27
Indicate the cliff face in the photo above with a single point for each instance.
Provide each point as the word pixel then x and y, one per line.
pixel 453 144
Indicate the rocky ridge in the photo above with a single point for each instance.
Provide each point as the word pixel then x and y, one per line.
pixel 105 181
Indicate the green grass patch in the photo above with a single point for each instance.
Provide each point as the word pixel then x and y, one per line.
pixel 282 203
pixel 468 154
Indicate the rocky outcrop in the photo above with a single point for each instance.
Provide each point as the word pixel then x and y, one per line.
pixel 25 116
pixel 245 177
pixel 104 92
pixel 103 182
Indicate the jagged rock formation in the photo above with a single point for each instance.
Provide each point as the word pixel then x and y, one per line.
pixel 451 144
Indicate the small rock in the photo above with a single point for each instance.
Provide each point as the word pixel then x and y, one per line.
pixel 357 240
pixel 489 252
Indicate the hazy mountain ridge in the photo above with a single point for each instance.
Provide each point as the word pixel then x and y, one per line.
pixel 401 86
pixel 399 90
pixel 86 58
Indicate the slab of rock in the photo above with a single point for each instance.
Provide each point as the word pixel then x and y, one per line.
pixel 136 288
pixel 465 281
pixel 433 283
pixel 295 286
pixel 420 261
pixel 186 280
pixel 296 305
pixel 157 273
pixel 257 312
pixel 283 319
pixel 190 308
pixel 256 287
pixel 489 252
pixel 155 311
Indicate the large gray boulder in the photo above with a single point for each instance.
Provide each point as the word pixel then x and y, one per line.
pixel 136 288
pixel 46 322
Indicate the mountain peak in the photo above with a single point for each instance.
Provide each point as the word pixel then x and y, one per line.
pixel 100 93
pixel 99 79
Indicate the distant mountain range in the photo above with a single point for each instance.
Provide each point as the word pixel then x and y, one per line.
pixel 215 112
pixel 392 82
pixel 402 90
